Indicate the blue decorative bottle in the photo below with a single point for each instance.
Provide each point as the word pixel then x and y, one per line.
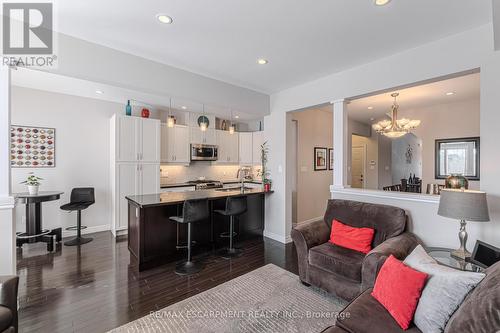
pixel 128 109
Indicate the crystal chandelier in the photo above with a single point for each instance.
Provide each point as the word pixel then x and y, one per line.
pixel 395 128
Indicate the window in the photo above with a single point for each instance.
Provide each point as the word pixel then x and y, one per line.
pixel 457 156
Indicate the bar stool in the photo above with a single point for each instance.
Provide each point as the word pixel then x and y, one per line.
pixel 193 211
pixel 235 206
pixel 81 198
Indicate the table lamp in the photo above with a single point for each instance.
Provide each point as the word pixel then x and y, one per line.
pixel 463 205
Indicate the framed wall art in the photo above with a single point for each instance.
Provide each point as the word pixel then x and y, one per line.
pixel 32 147
pixel 330 158
pixel 320 159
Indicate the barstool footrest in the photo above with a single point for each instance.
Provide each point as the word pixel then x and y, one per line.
pixel 227 235
pixel 75 227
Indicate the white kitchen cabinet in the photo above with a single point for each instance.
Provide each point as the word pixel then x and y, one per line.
pixel 257 141
pixel 228 147
pixel 198 136
pixel 134 163
pixel 135 139
pixel 175 144
pixel 246 148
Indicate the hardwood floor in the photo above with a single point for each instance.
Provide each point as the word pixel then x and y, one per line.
pixel 94 288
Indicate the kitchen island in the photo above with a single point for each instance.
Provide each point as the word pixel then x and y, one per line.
pixel 153 239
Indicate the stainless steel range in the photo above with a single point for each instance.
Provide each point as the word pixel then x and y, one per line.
pixel 206 184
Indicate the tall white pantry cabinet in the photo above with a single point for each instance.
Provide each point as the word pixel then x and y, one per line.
pixel 134 164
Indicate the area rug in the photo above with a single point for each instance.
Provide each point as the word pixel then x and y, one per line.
pixel 268 299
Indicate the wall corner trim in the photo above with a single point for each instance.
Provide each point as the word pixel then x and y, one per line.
pixel 341 100
pixel 280 238
pixel 7 203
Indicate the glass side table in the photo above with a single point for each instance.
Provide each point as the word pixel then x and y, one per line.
pixel 443 256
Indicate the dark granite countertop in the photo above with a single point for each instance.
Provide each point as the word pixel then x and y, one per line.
pixel 169 185
pixel 172 198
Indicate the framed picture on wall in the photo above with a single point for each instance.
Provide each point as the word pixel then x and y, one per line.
pixel 320 159
pixel 330 158
pixel 32 147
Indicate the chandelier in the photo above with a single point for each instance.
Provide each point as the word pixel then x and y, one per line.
pixel 395 128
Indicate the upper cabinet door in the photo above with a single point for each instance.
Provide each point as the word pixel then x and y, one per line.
pixel 127 134
pixel 164 144
pixel 150 140
pixel 181 148
pixel 207 137
pixel 234 152
pixel 246 148
pixel 258 140
pixel 223 144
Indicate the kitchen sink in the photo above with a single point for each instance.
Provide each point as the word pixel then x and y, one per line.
pixel 232 189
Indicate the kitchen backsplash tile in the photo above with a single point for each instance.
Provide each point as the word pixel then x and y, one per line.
pixel 180 174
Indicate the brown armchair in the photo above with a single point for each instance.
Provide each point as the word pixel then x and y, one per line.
pixel 8 304
pixel 343 272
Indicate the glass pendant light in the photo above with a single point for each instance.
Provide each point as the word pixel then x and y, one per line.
pixel 170 119
pixel 231 127
pixel 203 123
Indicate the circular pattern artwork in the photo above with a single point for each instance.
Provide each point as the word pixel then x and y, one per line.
pixel 32 147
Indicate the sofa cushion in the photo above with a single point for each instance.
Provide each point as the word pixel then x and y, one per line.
pixel 367 315
pixel 5 318
pixel 357 239
pixel 444 292
pixel 388 221
pixel 338 260
pixel 398 288
pixel 480 311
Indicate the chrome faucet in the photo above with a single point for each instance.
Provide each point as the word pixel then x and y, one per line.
pixel 241 175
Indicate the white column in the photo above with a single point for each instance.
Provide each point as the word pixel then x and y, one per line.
pixel 340 143
pixel 7 225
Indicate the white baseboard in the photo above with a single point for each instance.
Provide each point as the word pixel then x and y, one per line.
pixel 277 237
pixel 89 230
pixel 314 219
pixel 120 232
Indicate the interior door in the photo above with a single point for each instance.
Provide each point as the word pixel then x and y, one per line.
pixel 127 135
pixel 150 142
pixel 358 167
pixel 150 178
pixel 181 144
pixel 128 184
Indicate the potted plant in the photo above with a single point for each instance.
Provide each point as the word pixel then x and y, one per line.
pixel 33 183
pixel 264 172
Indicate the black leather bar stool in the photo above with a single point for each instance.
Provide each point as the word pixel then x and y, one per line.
pixel 81 198
pixel 235 206
pixel 193 211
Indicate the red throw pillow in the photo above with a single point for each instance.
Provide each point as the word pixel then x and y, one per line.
pixel 398 288
pixel 358 239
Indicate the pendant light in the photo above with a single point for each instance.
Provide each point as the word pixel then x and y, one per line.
pixel 203 123
pixel 231 126
pixel 170 119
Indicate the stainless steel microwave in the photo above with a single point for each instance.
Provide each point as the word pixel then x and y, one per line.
pixel 204 152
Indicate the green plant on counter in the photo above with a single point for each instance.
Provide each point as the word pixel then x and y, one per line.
pixel 264 173
pixel 32 180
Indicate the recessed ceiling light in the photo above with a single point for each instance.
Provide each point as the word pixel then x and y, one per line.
pixel 451 93
pixel 262 61
pixel 382 2
pixel 237 117
pixel 372 119
pixel 370 108
pixel 164 18
pixel 100 92
pixel 184 107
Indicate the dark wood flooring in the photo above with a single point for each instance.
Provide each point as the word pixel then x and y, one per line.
pixel 94 288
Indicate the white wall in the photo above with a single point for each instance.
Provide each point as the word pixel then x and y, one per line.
pixel 85 60
pixel 82 153
pixel 466 51
pixel 315 129
pixel 401 169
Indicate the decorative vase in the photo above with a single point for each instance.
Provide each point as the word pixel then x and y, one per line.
pixel 145 113
pixel 267 187
pixel 457 181
pixel 128 109
pixel 33 189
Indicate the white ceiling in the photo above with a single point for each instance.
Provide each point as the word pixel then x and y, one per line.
pixel 303 40
pixel 71 86
pixel 465 88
